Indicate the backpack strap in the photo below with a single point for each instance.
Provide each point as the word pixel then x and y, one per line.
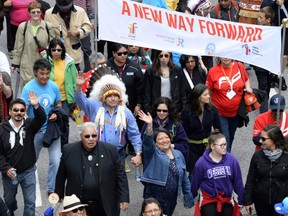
pixel 46 27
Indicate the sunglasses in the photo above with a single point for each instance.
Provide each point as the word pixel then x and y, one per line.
pixel 122 53
pixel 162 110
pixel 264 138
pixel 54 50
pixel 17 110
pixel 164 55
pixel 35 12
pixel 78 209
pixel 87 136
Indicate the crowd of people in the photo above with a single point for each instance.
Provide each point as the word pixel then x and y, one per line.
pixel 177 114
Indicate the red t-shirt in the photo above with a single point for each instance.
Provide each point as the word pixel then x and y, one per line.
pixel 220 82
pixel 266 119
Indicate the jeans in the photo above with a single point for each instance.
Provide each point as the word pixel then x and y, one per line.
pixel 229 126
pixel 54 158
pixel 27 180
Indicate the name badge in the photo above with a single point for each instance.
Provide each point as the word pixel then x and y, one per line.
pixel 130 74
pixel 230 94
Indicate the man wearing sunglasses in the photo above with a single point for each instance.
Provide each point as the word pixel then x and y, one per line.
pixel 71 24
pixel 93 171
pixel 270 118
pixel 17 153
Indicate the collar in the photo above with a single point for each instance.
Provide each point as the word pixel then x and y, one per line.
pixel 15 128
pixel 56 9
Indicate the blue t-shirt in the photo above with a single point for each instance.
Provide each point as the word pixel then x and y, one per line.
pixel 48 95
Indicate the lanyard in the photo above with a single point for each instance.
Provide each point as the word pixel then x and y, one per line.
pixel 229 78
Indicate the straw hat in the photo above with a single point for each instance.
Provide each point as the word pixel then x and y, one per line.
pixel 70 203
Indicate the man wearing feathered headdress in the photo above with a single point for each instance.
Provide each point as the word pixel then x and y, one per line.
pixel 107 108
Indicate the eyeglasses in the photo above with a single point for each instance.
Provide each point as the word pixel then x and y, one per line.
pixel 87 136
pixel 223 145
pixel 162 110
pixel 35 12
pixel 164 55
pixel 17 110
pixel 264 138
pixel 58 50
pixel 122 53
pixel 152 211
pixel 78 209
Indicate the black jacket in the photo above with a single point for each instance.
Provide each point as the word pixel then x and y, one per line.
pixel 133 79
pixel 266 181
pixel 112 176
pixel 56 128
pixel 20 157
pixel 153 88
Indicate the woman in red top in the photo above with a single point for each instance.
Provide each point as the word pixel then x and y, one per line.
pixel 227 81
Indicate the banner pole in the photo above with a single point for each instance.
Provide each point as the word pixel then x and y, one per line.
pixel 96 26
pixel 284 23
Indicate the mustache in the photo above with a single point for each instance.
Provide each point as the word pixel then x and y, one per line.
pixel 18 115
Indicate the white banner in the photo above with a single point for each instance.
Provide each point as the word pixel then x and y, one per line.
pixel 133 23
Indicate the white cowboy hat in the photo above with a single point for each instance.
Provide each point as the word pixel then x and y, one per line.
pixel 70 203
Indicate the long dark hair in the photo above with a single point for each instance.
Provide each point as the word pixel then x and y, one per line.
pixel 184 58
pixel 276 135
pixel 140 53
pixel 192 104
pixel 156 62
pixel 150 201
pixel 53 43
pixel 173 115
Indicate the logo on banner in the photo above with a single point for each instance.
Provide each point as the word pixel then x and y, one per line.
pixel 132 29
pixel 210 48
pixel 246 48
pixel 180 42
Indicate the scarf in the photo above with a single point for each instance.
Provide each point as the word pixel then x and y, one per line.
pixel 273 155
pixel 162 123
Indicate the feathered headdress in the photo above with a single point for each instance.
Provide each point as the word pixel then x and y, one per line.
pixel 107 85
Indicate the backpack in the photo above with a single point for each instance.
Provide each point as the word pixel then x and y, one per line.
pixel 217 8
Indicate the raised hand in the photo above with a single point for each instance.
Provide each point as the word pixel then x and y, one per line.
pixel 80 80
pixel 147 118
pixel 32 97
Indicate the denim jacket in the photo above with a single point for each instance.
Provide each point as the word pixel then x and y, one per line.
pixel 156 168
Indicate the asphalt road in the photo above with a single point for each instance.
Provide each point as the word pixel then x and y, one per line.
pixel 243 149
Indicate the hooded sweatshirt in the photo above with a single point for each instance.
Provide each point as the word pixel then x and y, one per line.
pixel 213 178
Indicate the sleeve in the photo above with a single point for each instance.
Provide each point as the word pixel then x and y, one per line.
pixel 139 86
pixel 257 129
pixel 19 45
pixel 250 182
pixel 133 132
pixel 186 189
pixel 243 71
pixel 163 4
pixel 216 122
pixel 85 28
pixel 39 119
pixel 209 80
pixel 122 182
pixel 237 182
pixel 61 176
pixel 196 177
pixel 87 105
pixel 4 64
pixel 148 84
pixel 148 147
pixel 181 141
pixel 4 165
